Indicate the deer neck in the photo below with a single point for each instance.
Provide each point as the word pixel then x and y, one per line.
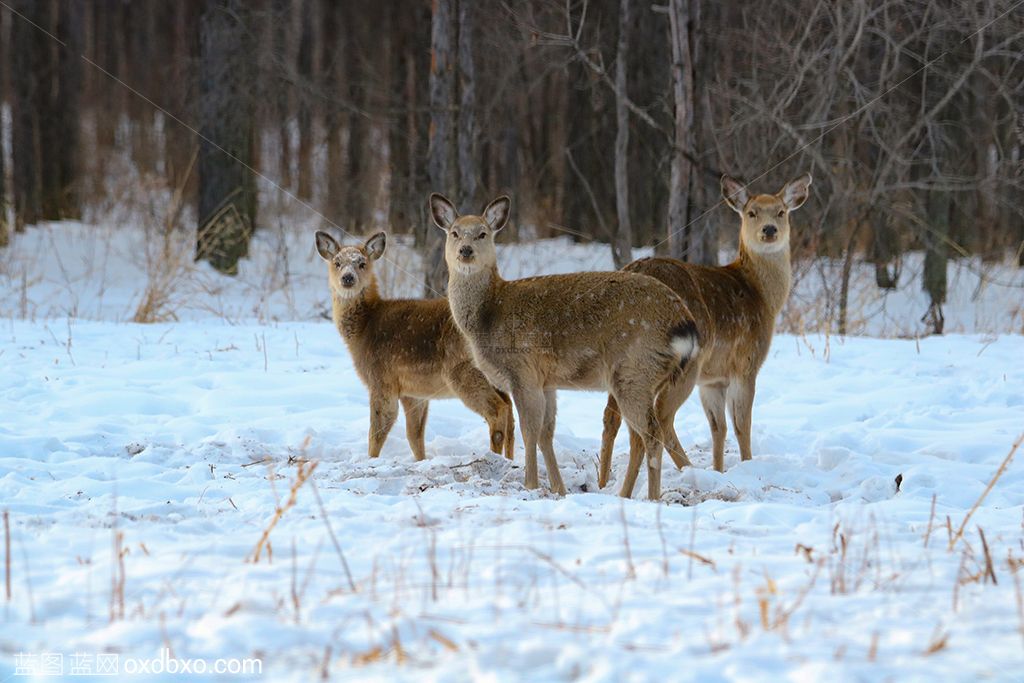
pixel 469 295
pixel 352 313
pixel 770 273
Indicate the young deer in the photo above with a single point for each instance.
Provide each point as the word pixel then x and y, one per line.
pixel 406 351
pixel 735 307
pixel 619 332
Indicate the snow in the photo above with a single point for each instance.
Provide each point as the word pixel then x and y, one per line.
pixel 805 563
pixel 100 272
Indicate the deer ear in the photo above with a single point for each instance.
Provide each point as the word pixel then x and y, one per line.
pixel 442 211
pixel 795 193
pixel 734 193
pixel 326 245
pixel 496 213
pixel 375 246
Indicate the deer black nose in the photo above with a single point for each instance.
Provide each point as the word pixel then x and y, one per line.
pixel 348 279
pixel 769 230
pixel 466 252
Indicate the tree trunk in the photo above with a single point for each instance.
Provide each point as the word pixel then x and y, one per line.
pixel 358 130
pixel 179 141
pixel 399 151
pixel 936 257
pixel 1015 202
pixel 622 244
pixel 139 53
pixel 27 64
pixel 467 126
pixel 702 196
pixel 65 102
pixel 332 61
pixel 5 237
pixel 227 192
pixel 684 242
pixel 48 112
pixel 304 67
pixel 281 12
pixel 558 140
pixel 884 249
pixel 440 168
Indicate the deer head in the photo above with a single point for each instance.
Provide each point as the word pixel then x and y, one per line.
pixel 469 247
pixel 765 217
pixel 350 268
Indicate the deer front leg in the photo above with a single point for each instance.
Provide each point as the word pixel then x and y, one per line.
pixel 383 413
pixel 510 426
pixel 476 393
pixel 612 422
pixel 712 397
pixel 473 389
pixel 415 410
pixel 547 442
pixel 530 405
pixel 741 408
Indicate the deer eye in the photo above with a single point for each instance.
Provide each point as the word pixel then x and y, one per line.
pixel 782 212
pixel 362 265
pixel 752 214
pixel 453 235
pixel 481 235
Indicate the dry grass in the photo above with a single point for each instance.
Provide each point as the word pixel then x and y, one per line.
pixel 117 575
pixel 168 260
pixel 304 472
pixel 999 472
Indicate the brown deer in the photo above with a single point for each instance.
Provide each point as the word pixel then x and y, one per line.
pixel 620 332
pixel 735 307
pixel 406 351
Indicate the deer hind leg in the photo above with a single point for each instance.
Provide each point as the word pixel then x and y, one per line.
pixel 547 442
pixel 612 422
pixel 654 447
pixel 636 456
pixel 712 397
pixel 473 389
pixel 670 399
pixel 415 410
pixel 741 407
pixel 383 413
pixel 530 404
pixel 638 410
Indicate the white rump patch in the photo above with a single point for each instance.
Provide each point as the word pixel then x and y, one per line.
pixel 685 347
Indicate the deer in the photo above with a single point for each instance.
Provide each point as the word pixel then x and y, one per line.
pixel 735 307
pixel 625 333
pixel 406 351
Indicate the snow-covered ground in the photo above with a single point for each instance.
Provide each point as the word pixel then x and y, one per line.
pixel 103 272
pixel 148 461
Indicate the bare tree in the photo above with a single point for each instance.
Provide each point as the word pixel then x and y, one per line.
pixel 357 190
pixel 227 194
pixel 468 132
pixel 332 58
pixel 622 244
pixel 281 22
pixel 440 161
pixel 609 120
pixel 60 184
pixel 4 228
pixel 684 240
pixel 305 70
pixel 29 71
